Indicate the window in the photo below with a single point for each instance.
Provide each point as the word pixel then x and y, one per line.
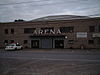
pixel 11 41
pixel 91 28
pixel 12 31
pixel 47 29
pixel 59 43
pixel 25 41
pixel 35 43
pixel 90 41
pixel 99 42
pixel 5 41
pixel 6 31
pixel 66 29
pixel 29 30
pixel 99 29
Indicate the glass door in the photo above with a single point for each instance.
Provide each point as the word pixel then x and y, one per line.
pixel 59 43
pixel 35 43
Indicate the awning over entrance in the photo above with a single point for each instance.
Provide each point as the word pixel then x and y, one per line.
pixel 47 41
pixel 96 35
pixel 47 36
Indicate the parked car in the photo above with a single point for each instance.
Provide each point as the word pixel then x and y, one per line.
pixel 13 46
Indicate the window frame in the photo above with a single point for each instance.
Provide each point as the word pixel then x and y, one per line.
pixel 25 41
pixel 68 29
pixel 12 31
pixel 90 41
pixel 91 28
pixel 29 30
pixel 5 31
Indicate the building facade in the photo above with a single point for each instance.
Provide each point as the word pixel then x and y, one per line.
pixel 76 33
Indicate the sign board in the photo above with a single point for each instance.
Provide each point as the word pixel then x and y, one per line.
pixel 81 34
pixel 47 31
pixel 96 34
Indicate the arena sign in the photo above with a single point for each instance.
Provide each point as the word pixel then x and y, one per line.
pixel 47 31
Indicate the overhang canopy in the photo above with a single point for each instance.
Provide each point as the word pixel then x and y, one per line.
pixel 96 34
pixel 47 36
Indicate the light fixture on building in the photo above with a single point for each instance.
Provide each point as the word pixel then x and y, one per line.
pixel 66 37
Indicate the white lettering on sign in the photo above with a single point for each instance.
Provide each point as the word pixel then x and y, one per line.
pixel 47 31
pixel 35 32
pixel 52 31
pixel 40 31
pixel 81 34
pixel 58 31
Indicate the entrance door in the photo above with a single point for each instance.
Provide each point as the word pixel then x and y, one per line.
pixel 35 43
pixel 59 43
pixel 46 43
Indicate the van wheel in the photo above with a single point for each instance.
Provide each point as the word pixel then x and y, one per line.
pixel 21 48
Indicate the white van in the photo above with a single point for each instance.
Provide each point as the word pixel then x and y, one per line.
pixel 13 46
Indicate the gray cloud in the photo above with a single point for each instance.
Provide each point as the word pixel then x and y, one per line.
pixel 31 9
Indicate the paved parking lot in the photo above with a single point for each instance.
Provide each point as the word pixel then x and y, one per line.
pixel 47 67
pixel 50 62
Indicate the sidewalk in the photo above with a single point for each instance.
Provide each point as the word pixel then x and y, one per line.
pixel 62 50
pixel 57 50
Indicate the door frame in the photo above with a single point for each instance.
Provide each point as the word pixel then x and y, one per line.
pixel 38 41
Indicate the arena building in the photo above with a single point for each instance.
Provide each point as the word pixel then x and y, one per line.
pixel 60 31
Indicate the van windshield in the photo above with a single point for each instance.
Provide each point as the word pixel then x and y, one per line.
pixel 11 45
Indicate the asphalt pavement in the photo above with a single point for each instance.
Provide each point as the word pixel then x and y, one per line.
pixel 50 62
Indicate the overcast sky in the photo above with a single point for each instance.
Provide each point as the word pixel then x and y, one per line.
pixel 32 9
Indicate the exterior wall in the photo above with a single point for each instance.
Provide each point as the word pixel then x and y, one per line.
pixel 81 25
